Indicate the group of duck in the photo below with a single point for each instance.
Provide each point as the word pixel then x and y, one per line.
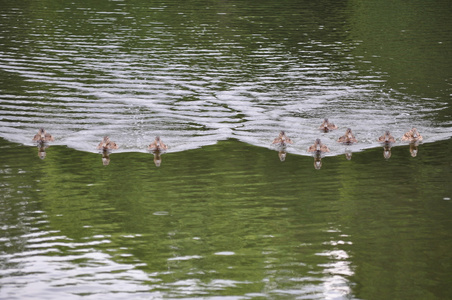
pixel 318 148
pixel 42 138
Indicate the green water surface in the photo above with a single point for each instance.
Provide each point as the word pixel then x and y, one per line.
pixel 233 220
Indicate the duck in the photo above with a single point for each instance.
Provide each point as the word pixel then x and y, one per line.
pixel 157 145
pixel 282 139
pixel 348 137
pixel 318 147
pixel 327 125
pixel 412 136
pixel 386 138
pixel 106 144
pixel 43 137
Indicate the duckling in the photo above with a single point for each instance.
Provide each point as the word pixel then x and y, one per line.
pixel 412 136
pixel 327 126
pixel 318 147
pixel 106 144
pixel 282 139
pixel 157 145
pixel 348 137
pixel 43 137
pixel 386 138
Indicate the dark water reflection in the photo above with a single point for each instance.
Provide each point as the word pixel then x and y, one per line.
pixel 225 220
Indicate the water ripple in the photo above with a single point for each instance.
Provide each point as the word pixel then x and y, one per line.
pixel 81 85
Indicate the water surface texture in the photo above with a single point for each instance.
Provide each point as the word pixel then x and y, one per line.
pixel 198 72
pixel 223 217
pixel 226 221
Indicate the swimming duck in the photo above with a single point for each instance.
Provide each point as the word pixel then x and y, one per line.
pixel 318 147
pixel 327 126
pixel 43 137
pixel 282 139
pixel 412 136
pixel 157 145
pixel 348 137
pixel 386 138
pixel 106 144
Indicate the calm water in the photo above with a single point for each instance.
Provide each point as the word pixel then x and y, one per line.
pixel 223 217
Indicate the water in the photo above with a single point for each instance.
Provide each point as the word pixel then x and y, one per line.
pixel 229 220
pixel 201 72
pixel 223 217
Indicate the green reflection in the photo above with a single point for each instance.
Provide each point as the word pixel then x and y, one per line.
pixel 236 212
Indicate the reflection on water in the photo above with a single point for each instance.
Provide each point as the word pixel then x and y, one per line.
pixel 386 151
pixel 317 161
pixel 105 157
pixel 225 220
pixel 42 150
pixel 348 154
pixel 157 157
pixel 414 148
pixel 282 155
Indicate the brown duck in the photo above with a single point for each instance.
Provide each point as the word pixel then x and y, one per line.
pixel 282 139
pixel 386 138
pixel 348 137
pixel 412 136
pixel 327 126
pixel 43 137
pixel 157 145
pixel 106 144
pixel 318 147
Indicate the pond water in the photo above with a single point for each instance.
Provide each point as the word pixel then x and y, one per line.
pixel 223 216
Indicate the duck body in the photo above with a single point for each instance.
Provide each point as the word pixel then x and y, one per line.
pixel 412 136
pixel 386 138
pixel 327 126
pixel 318 148
pixel 157 145
pixel 348 138
pixel 282 139
pixel 107 144
pixel 43 137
